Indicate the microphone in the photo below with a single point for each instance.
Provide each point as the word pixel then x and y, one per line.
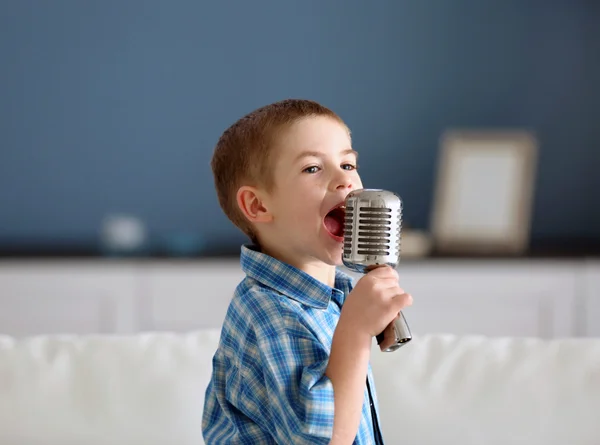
pixel 372 233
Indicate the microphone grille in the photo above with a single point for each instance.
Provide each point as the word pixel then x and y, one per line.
pixel 372 229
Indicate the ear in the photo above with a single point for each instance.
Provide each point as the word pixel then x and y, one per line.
pixel 252 205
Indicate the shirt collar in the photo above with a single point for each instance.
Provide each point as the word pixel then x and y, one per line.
pixel 292 282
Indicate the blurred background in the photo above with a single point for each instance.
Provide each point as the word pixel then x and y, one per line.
pixel 109 112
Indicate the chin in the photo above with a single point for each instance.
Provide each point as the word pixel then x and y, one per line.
pixel 338 262
pixel 332 260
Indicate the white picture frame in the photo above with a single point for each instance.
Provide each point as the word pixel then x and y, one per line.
pixel 484 191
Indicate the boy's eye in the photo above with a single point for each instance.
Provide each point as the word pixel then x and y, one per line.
pixel 315 168
pixel 312 169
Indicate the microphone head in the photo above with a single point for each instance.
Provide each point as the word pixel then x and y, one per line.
pixel 372 229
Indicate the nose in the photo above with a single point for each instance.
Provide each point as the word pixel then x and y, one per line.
pixel 342 181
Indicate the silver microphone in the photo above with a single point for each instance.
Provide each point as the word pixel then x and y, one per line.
pixel 372 234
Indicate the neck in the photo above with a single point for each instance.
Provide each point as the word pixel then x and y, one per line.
pixel 319 270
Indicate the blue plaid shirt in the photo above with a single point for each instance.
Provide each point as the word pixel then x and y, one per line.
pixel 268 383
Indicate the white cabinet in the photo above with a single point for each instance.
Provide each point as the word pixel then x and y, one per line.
pixel 498 298
pixel 180 295
pixel 65 297
pixel 541 298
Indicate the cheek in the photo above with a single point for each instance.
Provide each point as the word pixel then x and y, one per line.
pixel 302 209
pixel 299 204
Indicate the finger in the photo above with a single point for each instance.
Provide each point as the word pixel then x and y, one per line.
pixel 386 280
pixel 402 300
pixel 384 272
pixel 390 292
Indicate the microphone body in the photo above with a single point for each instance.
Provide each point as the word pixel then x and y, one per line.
pixel 372 238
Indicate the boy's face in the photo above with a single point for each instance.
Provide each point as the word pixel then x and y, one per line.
pixel 314 169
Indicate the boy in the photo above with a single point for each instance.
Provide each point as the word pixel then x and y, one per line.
pixel 292 366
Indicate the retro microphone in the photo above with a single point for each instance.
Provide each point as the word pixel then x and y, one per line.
pixel 372 232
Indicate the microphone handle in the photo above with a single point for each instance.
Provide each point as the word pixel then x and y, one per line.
pixel 395 335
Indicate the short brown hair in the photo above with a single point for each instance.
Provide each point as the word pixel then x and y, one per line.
pixel 242 154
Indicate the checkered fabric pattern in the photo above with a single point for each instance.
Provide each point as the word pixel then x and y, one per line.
pixel 268 384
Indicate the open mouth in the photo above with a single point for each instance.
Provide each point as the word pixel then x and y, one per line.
pixel 334 221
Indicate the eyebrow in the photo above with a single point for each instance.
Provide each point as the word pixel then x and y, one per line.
pixel 318 154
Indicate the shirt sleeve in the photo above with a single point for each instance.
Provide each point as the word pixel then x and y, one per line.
pixel 298 396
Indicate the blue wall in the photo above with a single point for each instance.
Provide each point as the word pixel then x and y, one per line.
pixel 115 105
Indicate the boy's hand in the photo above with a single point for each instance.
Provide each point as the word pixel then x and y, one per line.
pixel 375 301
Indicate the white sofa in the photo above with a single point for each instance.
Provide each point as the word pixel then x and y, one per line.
pixel 148 389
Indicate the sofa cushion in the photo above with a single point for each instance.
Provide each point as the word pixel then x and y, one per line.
pixel 494 391
pixel 145 389
pixel 149 389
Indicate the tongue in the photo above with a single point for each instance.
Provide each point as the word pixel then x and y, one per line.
pixel 334 225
